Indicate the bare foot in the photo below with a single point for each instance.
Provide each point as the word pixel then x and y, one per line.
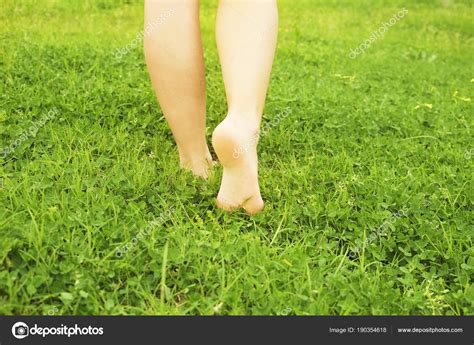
pixel 235 143
pixel 199 165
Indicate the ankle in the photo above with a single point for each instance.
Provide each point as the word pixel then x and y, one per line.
pixel 249 121
pixel 189 155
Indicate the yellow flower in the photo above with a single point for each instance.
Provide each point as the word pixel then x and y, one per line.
pixel 427 105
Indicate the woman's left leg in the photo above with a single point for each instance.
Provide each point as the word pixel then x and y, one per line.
pixel 246 39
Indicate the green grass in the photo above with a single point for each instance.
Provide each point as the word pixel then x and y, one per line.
pixel 367 181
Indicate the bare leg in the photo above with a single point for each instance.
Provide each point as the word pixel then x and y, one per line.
pixel 246 38
pixel 175 61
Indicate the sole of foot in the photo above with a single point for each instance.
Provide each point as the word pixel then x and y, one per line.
pixel 235 143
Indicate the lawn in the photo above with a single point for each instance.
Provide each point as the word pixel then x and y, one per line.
pixel 366 168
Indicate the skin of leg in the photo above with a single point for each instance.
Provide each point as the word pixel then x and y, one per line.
pixel 246 38
pixel 174 56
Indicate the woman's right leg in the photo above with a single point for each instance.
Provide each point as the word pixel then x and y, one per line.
pixel 175 61
pixel 246 39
